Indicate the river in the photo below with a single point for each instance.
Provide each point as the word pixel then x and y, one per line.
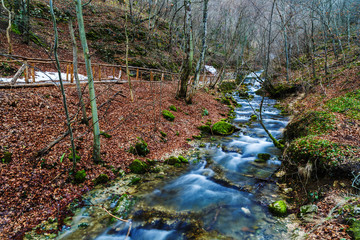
pixel 224 194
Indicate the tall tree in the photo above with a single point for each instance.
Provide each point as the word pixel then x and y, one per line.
pixel 95 118
pixel 189 51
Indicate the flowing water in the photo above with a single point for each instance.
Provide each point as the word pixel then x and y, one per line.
pixel 223 195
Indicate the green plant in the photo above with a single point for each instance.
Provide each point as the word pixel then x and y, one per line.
pixel 205 112
pixel 163 134
pixel 347 104
pixel 106 135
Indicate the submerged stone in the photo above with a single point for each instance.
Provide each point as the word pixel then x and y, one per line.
pixel 278 208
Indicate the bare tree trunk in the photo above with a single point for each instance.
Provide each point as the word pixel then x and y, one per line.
pixel 186 71
pixel 127 51
pixel 202 55
pixel 62 87
pixel 95 118
pixel 267 81
pixel 8 28
pixel 76 74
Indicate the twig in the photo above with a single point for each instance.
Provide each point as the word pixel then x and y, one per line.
pixel 123 220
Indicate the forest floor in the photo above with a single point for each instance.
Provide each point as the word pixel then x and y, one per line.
pixel 323 145
pixel 36 188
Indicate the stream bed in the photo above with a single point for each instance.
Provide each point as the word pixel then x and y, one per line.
pixel 223 194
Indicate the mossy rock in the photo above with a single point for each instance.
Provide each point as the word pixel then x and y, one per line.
pixel 226 101
pixel 140 148
pixel 168 115
pixel 6 157
pixel 138 167
pixel 197 137
pixel 223 128
pixel 227 86
pixel 253 117
pixel 173 108
pixel 80 176
pixel 282 90
pixel 134 181
pixel 101 179
pixel 173 160
pixel 183 159
pixel 278 208
pixel 204 128
pixel 263 157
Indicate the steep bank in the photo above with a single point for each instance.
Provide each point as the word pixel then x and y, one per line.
pixel 322 150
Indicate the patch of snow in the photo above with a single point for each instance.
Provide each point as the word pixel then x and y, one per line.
pixel 211 69
pixel 43 77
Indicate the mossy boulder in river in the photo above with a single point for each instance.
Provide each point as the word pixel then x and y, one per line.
pixel 223 128
pixel 262 157
pixel 138 166
pixel 278 208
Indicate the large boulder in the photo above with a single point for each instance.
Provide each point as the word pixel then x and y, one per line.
pixel 138 166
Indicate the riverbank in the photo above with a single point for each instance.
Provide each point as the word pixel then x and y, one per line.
pixel 38 188
pixel 322 149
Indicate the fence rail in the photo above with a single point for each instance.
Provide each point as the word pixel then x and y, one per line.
pixel 102 73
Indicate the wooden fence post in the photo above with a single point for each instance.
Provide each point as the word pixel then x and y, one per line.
pixel 33 72
pixel 120 74
pixel 67 72
pixel 151 76
pixel 72 73
pixel 26 73
pixel 93 70
pixel 137 74
pixel 18 74
pixel 99 68
pixel 113 73
pixel 162 77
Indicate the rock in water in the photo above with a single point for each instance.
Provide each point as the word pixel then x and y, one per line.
pixel 278 208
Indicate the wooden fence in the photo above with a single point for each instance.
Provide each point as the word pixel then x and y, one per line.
pixel 101 73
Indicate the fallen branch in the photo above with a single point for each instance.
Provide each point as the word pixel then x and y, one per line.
pixel 112 215
pixel 52 144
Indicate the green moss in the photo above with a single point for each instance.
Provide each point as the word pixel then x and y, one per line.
pixel 77 156
pixel 349 104
pixel 101 179
pixel 134 181
pixel 225 100
pixel 282 90
pixel 327 153
pixel 262 157
pixel 168 115
pixel 140 148
pixel 278 208
pixel 253 117
pixel 312 123
pixel 173 160
pixel 204 128
pixel 163 134
pixel 138 167
pixel 173 108
pixel 6 157
pixel 182 159
pixel 354 229
pixel 155 170
pixel 197 137
pixel 223 128
pixel 202 145
pixel 177 133
pixel 227 86
pixel 80 176
pixel 106 135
